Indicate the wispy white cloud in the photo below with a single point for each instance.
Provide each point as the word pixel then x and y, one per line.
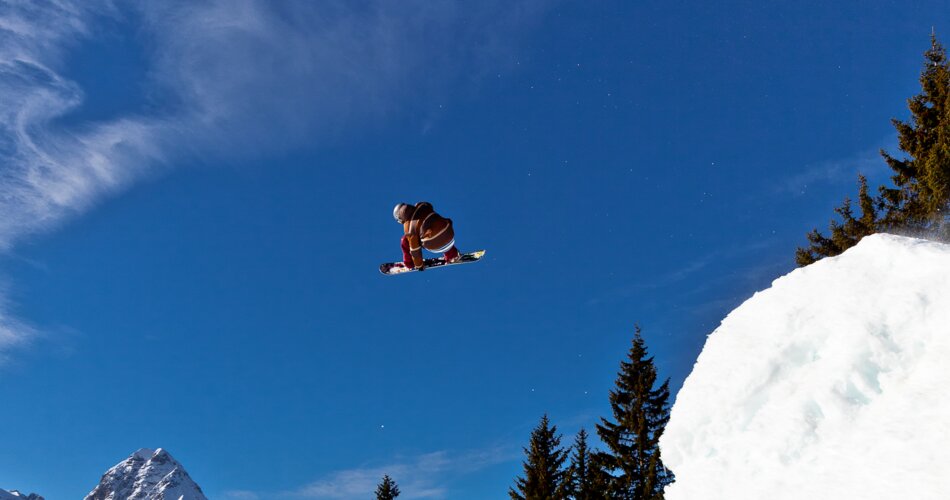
pixel 47 174
pixel 241 495
pixel 423 476
pixel 13 332
pixel 416 479
pixel 682 274
pixel 845 170
pixel 286 73
pixel 233 79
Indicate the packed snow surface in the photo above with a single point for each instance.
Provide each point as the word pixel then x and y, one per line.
pixel 147 475
pixel 832 384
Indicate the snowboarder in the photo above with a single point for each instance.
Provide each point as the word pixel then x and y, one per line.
pixel 424 228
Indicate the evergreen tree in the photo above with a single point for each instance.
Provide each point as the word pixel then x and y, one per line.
pixel 600 480
pixel 640 413
pixel 845 234
pixel 587 480
pixel 544 476
pixel 387 489
pixel 922 180
pixel 580 470
pixel 920 196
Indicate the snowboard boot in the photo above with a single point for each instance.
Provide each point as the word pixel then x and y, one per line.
pixel 452 255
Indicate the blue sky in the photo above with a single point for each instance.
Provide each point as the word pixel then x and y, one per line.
pixel 196 196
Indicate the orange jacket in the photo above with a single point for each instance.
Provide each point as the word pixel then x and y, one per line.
pixel 427 229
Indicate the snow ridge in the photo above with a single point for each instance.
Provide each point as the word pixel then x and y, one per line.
pixel 16 495
pixel 830 384
pixel 147 475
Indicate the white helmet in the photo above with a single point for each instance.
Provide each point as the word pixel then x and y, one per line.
pixel 399 210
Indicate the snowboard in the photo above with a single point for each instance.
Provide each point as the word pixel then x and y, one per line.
pixel 391 268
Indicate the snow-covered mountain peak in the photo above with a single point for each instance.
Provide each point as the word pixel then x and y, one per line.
pixel 147 475
pixel 16 495
pixel 143 454
pixel 832 383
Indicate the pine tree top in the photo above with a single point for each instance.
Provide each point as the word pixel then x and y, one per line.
pixel 585 480
pixel 544 474
pixel 387 489
pixel 640 410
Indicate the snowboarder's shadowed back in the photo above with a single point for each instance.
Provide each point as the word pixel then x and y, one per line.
pixel 424 228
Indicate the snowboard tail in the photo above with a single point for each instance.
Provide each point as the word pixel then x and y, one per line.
pixel 391 268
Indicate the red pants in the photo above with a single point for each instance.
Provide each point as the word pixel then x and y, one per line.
pixel 450 254
pixel 406 255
